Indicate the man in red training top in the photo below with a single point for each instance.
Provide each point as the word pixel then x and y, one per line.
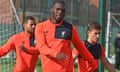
pixel 24 61
pixel 53 39
pixel 97 50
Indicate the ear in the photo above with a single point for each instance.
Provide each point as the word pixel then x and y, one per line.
pixel 88 32
pixel 24 24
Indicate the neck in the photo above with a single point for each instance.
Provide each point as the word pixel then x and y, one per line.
pixel 54 20
pixel 29 34
pixel 91 42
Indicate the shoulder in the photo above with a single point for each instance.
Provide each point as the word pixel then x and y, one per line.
pixel 42 23
pixel 65 22
pixel 18 35
pixel 101 47
pixel 99 44
pixel 15 37
pixel 67 25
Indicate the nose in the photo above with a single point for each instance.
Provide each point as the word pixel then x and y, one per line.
pixel 61 11
pixel 98 35
pixel 33 26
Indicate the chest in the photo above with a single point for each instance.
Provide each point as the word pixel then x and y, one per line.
pixel 25 41
pixel 95 50
pixel 63 31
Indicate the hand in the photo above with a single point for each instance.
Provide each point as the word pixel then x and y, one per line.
pixel 96 70
pixel 61 56
pixel 23 48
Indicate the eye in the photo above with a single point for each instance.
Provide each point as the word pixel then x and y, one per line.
pixel 33 24
pixel 63 10
pixel 97 33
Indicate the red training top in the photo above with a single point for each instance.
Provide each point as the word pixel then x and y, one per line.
pixel 53 38
pixel 83 65
pixel 24 62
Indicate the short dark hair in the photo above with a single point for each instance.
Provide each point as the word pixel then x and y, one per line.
pixel 58 1
pixel 28 18
pixel 93 25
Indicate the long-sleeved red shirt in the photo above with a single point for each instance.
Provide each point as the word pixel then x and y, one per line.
pixel 83 65
pixel 53 38
pixel 24 61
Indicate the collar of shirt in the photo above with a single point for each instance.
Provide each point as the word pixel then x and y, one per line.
pixel 57 24
pixel 27 35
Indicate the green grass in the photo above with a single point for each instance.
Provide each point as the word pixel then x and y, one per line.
pixel 40 70
pixel 5 66
pixel 75 66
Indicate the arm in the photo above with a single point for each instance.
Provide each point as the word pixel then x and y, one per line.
pixel 84 53
pixel 44 49
pixel 42 46
pixel 105 61
pixel 117 43
pixel 75 54
pixel 107 64
pixel 7 47
pixel 31 50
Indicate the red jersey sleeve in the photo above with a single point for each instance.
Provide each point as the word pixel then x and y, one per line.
pixel 32 51
pixel 7 47
pixel 41 44
pixel 102 54
pixel 84 53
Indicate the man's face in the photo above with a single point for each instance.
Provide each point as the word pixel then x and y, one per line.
pixel 94 35
pixel 58 12
pixel 118 35
pixel 29 26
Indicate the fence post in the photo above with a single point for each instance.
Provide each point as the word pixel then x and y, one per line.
pixel 102 15
pixel 24 10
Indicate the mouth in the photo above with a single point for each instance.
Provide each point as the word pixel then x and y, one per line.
pixel 58 16
pixel 97 39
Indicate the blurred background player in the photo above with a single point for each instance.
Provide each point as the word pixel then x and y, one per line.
pixel 24 61
pixel 117 51
pixel 97 50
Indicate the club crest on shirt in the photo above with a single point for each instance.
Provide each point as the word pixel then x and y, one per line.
pixel 63 33
pixel 35 42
